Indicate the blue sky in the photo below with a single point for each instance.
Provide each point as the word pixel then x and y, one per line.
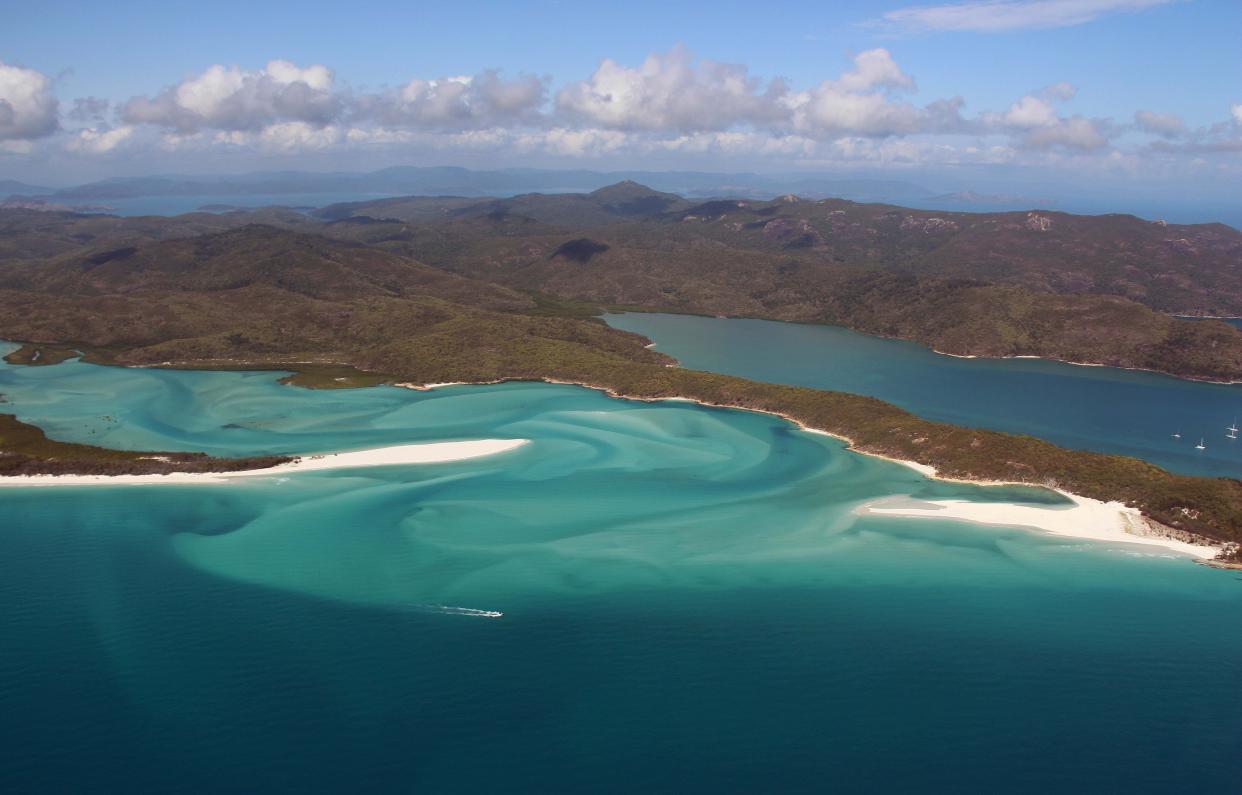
pixel 1021 91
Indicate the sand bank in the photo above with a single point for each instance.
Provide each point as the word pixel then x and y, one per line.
pixel 426 387
pixel 427 453
pixel 1089 519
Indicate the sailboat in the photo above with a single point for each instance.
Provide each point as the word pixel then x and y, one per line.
pixel 1233 429
pixel 1200 445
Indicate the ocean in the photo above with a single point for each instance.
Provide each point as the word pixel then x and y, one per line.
pixel 688 604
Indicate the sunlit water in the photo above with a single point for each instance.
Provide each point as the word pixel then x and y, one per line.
pixel 688 604
pixel 1126 412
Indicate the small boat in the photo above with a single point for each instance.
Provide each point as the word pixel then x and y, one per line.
pixel 1177 434
pixel 1200 445
pixel 1233 429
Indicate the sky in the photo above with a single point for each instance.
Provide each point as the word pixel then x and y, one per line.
pixel 1019 95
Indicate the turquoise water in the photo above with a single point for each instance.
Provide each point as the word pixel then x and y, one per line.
pixel 1088 408
pixel 689 603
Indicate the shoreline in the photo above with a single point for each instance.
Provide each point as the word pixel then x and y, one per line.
pixel 928 346
pixel 1157 534
pixel 1090 519
pixel 1086 519
pixel 429 387
pixel 405 454
pixel 1006 357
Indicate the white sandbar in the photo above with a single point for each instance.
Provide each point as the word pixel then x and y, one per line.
pixel 426 387
pixel 426 453
pixel 1089 519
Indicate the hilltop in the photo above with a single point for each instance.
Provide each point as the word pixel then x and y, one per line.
pixel 1098 289
pixel 262 295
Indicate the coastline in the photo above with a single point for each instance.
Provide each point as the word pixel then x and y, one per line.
pixel 1084 364
pixel 1089 519
pixel 423 453
pixel 429 387
pixel 930 347
pixel 1153 531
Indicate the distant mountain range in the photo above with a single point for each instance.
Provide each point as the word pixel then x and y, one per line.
pixel 454 181
pixel 11 187
pixel 171 194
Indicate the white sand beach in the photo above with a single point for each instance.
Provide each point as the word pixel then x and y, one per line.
pixel 1087 519
pixel 426 453
pixel 426 387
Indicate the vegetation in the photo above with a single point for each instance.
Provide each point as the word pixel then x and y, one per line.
pixel 26 450
pixel 1093 289
pixel 37 355
pixel 971 284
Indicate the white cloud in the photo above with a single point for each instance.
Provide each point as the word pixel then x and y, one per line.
pixel 1072 133
pixel 738 143
pixel 576 143
pixel 28 108
pixel 1061 91
pixel 1036 124
pixel 992 16
pixel 859 102
pixel 284 137
pixel 827 111
pixel 874 68
pixel 1028 113
pixel 456 103
pixel 98 140
pixel 229 98
pixel 1217 138
pixel 671 108
pixel 1168 125
pixel 672 92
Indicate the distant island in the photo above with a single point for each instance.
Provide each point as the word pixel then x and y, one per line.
pixel 45 206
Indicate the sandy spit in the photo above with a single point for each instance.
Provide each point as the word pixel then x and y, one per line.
pixel 426 453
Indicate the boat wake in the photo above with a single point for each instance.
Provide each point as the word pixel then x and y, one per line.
pixel 464 611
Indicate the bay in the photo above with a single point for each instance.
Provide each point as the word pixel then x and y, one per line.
pixel 1125 412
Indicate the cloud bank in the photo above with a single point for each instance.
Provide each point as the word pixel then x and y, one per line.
pixel 670 104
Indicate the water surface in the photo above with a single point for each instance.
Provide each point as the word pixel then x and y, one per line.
pixel 1127 412
pixel 689 604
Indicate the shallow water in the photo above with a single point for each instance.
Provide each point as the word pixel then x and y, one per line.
pixel 689 604
pixel 1126 412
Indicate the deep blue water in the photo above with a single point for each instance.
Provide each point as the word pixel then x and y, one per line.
pixel 1089 408
pixel 690 605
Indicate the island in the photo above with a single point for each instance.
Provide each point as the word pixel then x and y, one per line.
pixel 342 301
